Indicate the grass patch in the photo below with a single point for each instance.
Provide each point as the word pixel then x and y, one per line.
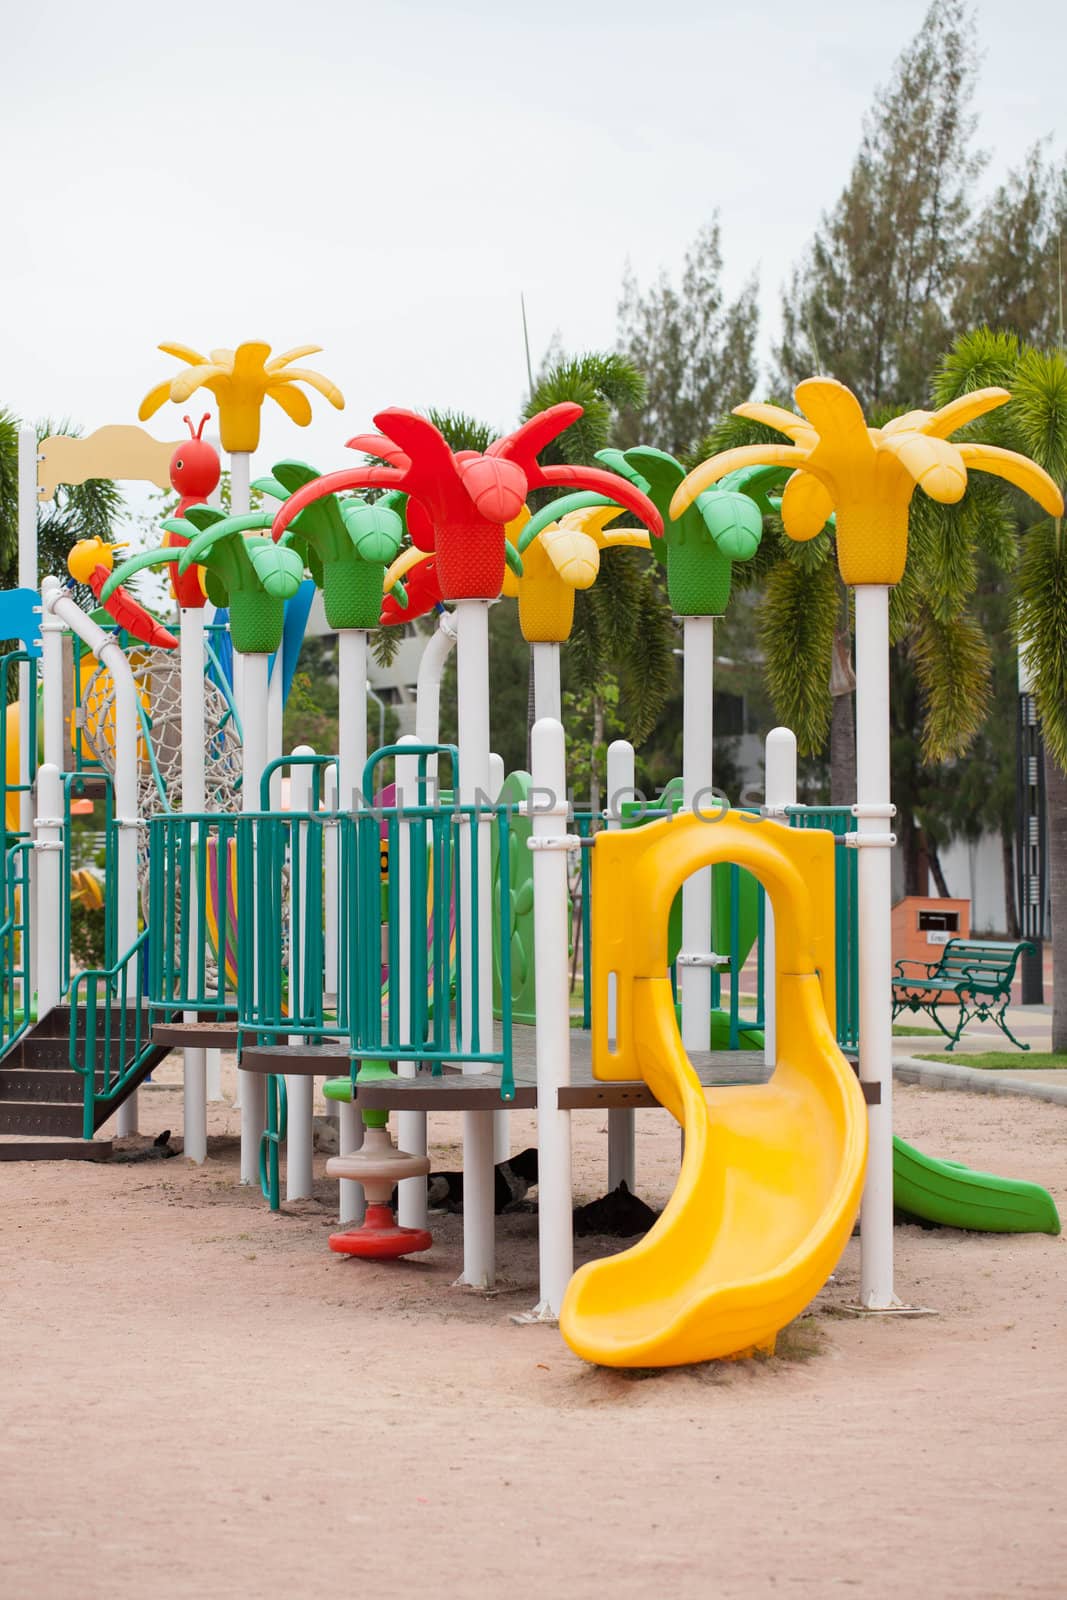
pixel 901 1030
pixel 800 1341
pixel 1007 1060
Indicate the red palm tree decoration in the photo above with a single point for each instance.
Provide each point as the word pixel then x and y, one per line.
pixel 460 501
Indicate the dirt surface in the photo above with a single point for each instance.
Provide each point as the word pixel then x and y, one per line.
pixel 200 1399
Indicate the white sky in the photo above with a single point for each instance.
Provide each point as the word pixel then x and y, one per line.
pixel 382 179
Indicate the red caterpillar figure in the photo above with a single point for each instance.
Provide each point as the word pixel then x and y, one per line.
pixel 195 470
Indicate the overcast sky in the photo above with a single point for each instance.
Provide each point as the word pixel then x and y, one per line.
pixel 383 179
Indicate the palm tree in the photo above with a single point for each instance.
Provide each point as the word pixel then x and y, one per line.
pixel 1035 422
pixel 76 511
pixel 241 380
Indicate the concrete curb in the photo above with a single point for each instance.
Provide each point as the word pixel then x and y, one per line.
pixel 972 1080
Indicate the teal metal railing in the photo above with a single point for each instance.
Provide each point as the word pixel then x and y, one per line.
pixel 839 820
pixel 585 826
pixel 110 1032
pixel 194 950
pixel 16 999
pixel 240 908
pixel 428 1024
pixel 73 784
pixel 635 814
pixel 9 665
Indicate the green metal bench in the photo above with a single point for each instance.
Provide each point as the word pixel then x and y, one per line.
pixel 975 974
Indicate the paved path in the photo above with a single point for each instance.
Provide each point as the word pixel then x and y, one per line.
pixel 949 1074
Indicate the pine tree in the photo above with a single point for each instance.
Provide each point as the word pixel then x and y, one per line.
pixel 697 350
pixel 1036 423
pixel 1012 280
pixel 872 301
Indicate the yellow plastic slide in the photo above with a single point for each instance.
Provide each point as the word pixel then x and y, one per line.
pixel 771 1175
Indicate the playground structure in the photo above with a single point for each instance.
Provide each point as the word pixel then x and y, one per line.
pixel 441 978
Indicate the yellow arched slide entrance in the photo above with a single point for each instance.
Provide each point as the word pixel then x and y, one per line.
pixel 771 1176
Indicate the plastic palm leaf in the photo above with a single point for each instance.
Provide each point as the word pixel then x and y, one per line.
pixel 346 545
pixel 240 381
pixel 561 556
pixel 867 476
pixel 280 571
pixel 376 531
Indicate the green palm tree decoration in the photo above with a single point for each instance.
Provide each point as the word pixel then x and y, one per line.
pixel 346 544
pixel 699 548
pixel 243 570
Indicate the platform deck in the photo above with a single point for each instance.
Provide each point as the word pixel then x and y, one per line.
pixel 452 1090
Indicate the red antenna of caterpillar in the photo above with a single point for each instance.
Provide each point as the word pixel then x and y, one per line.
pixel 198 432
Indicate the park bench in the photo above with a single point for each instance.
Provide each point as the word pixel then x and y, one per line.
pixel 975 974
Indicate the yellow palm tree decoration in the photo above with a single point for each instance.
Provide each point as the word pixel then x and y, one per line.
pixel 868 475
pixel 557 560
pixel 241 380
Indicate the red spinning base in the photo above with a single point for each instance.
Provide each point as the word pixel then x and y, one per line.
pixel 381 1238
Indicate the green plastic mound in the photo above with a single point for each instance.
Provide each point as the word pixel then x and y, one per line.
pixel 957 1197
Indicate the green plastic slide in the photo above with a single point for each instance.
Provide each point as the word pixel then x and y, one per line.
pixel 957 1197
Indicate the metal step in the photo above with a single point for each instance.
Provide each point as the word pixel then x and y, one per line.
pixel 33 1083
pixel 41 1118
pixel 54 1149
pixel 53 1055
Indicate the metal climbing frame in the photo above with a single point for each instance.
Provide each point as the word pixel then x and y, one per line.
pixel 342 947
pixel 16 896
pixel 840 820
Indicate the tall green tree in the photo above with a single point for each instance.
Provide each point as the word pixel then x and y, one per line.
pixel 872 301
pixel 695 348
pixel 77 511
pixel 941 662
pixel 623 630
pixel 1013 277
pixel 1036 423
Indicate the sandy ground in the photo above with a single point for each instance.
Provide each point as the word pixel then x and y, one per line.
pixel 198 1399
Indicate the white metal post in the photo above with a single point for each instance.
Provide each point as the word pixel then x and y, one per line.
pixel 240 482
pixel 472 671
pixel 194 1067
pixel 48 933
pixel 622 1153
pixel 351 759
pixel 555 1231
pixel 548 701
pixel 55 732
pixel 428 689
pixel 110 654
pixel 330 877
pixel 49 847
pixel 410 1125
pixel 501 1119
pixel 127 822
pixel 275 721
pixel 779 791
pixel 875 953
pixel 698 643
pixel 27 571
pixel 300 1088
pixel 252 1086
